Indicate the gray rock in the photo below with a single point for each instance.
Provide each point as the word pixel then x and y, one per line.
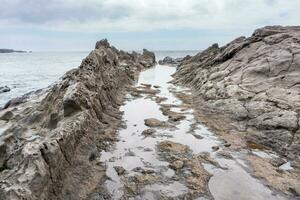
pixel 254 82
pixel 50 146
pixel 148 132
pixel 120 170
pixel 173 62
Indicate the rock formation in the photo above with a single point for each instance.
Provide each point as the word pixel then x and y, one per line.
pixel 11 51
pixel 50 141
pixel 4 89
pixel 173 62
pixel 255 82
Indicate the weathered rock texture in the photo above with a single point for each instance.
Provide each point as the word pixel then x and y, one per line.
pixel 254 81
pixel 50 144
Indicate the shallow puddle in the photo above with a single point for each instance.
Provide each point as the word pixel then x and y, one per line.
pixel 135 151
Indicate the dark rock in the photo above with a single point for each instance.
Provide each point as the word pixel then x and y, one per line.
pixel 215 148
pixel 120 170
pixel 11 51
pixel 4 89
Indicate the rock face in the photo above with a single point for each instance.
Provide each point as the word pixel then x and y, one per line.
pixel 173 62
pixel 254 81
pixel 49 143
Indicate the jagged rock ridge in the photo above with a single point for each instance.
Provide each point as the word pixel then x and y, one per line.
pixel 256 82
pixel 51 139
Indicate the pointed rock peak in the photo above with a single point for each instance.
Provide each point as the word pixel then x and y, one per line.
pixel 102 43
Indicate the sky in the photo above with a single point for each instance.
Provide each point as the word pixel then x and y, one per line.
pixel 75 25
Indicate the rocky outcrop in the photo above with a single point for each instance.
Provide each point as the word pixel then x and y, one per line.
pixel 50 141
pixel 11 51
pixel 255 82
pixel 173 62
pixel 4 89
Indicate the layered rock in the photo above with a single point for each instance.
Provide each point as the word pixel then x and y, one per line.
pixel 50 141
pixel 254 81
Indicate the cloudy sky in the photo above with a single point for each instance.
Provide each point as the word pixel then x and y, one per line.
pixel 62 25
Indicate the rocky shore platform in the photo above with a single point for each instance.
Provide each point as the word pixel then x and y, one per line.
pixel 248 91
pixel 50 139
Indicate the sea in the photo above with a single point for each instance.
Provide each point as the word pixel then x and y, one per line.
pixel 27 72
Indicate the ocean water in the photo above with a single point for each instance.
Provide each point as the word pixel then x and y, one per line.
pixel 26 72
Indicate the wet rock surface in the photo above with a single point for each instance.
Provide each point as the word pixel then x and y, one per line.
pixel 253 85
pixel 50 139
pixel 183 160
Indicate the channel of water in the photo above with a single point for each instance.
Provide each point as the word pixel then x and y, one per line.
pixel 233 181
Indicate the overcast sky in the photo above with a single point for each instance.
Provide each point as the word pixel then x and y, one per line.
pixel 63 25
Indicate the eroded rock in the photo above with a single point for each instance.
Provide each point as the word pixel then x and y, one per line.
pixel 253 83
pixel 51 143
pixel 152 122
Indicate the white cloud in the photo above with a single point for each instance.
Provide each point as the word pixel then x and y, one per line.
pixel 144 15
pixel 134 24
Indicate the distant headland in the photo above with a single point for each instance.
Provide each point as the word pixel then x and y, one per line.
pixel 13 51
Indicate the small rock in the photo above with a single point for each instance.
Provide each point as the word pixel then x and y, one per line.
pixel 120 170
pixel 198 136
pixel 227 145
pixel 135 94
pixel 146 85
pixel 4 89
pixel 148 132
pixel 178 164
pixel 131 188
pixel 224 154
pixel 152 122
pixel 148 149
pixel 215 148
pixel 130 153
pixel 113 159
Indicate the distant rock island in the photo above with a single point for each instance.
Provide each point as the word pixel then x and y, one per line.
pixel 12 51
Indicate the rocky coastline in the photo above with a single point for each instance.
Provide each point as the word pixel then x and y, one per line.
pixel 251 87
pixel 248 93
pixel 236 119
pixel 49 139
